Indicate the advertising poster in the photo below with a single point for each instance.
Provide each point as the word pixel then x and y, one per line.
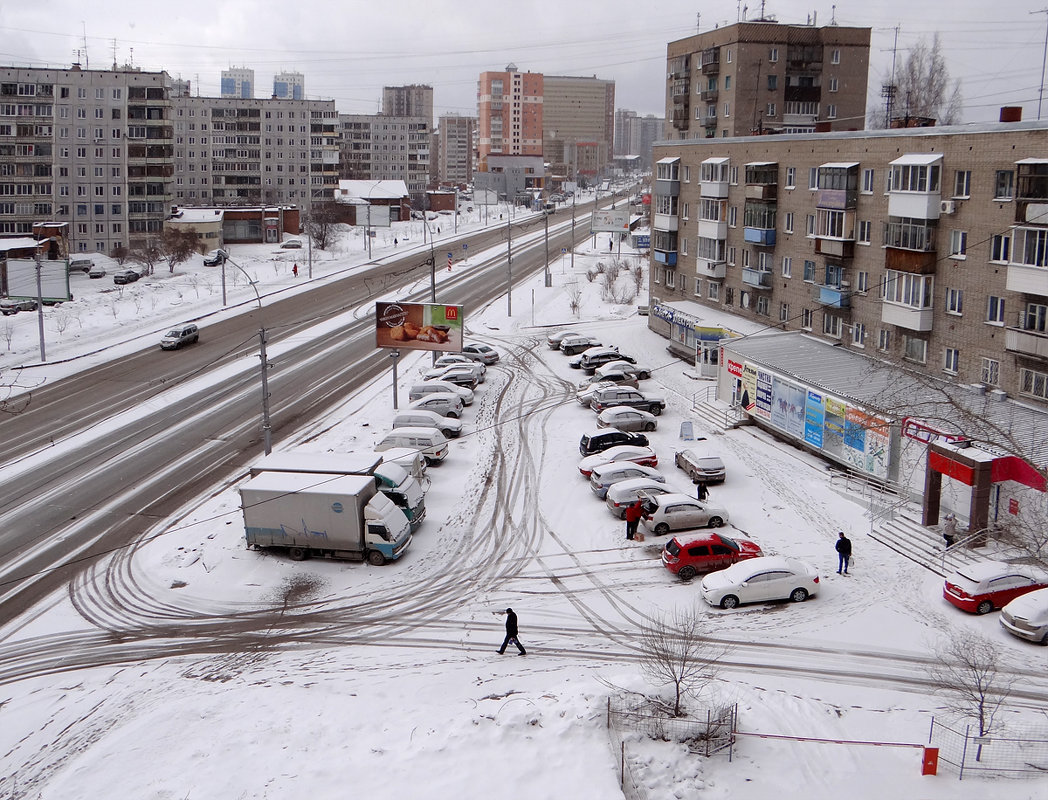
pixel 763 407
pixel 780 403
pixel 610 220
pixel 855 439
pixel 749 387
pixel 833 426
pixel 418 326
pixel 795 414
pixel 813 419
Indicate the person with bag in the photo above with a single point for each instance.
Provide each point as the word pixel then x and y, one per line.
pixel 634 512
pixel 844 549
pixel 511 633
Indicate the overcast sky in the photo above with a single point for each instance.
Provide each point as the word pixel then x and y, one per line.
pixel 349 50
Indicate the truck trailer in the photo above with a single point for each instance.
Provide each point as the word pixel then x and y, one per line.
pixel 323 515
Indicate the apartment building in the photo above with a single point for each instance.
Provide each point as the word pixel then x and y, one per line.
pixel 635 135
pixel 379 147
pixel 578 124
pixel 235 151
pixel 289 86
pixel 90 148
pixel 455 149
pixel 509 114
pixel 415 100
pixel 238 82
pixel 927 246
pixel 762 76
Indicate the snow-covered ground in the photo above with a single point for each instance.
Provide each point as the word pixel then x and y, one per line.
pixel 336 679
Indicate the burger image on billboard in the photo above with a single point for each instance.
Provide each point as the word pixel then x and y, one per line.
pixel 418 326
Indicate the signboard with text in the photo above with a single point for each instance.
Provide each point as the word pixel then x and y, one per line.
pixel 610 220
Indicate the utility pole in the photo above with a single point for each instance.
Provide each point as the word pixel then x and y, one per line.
pixel 547 276
pixel 267 430
pixel 573 227
pixel 1044 58
pixel 40 302
pixel 509 265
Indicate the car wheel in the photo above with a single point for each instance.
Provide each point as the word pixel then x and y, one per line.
pixel 656 410
pixel 985 607
pixel 715 522
pixel 799 595
pixel 297 553
pixel 649 427
pixel 686 573
pixel 729 601
pixel 662 529
pixel 375 558
pixel 643 375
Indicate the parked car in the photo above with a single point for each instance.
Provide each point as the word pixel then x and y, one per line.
pixel 429 387
pixel 215 258
pixel 607 475
pixel 680 512
pixel 97 271
pixel 177 337
pixel 481 352
pixel 461 375
pixel 445 404
pixel 641 373
pixel 622 452
pixel 430 442
pixel 575 344
pixel 626 418
pixel 454 359
pixel 617 378
pixel 585 395
pixel 626 492
pixel 422 418
pixel 601 439
pixel 81 264
pixel 125 276
pixel 981 587
pixel 1027 617
pixel 594 358
pixel 757 580
pixel 12 305
pixel 686 556
pixel 555 338
pixel 292 244
pixel 707 469
pixel 580 360
pixel 626 396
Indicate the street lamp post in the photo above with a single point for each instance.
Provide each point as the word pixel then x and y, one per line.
pixel 267 430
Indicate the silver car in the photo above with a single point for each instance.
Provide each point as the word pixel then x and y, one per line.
pixel 445 404
pixel 626 418
pixel 423 418
pixel 419 390
pixel 607 475
pixel 625 493
pixel 701 469
pixel 681 512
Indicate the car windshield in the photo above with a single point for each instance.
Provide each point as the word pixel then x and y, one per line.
pixel 174 334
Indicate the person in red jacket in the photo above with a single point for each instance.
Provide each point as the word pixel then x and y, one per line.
pixel 634 512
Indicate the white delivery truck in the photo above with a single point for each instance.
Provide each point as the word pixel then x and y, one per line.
pixel 390 479
pixel 330 516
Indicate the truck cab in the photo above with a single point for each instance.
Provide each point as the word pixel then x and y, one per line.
pixel 399 486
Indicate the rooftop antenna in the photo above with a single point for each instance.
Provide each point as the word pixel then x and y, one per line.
pixel 132 63
pixel 87 62
pixel 833 14
pixel 698 23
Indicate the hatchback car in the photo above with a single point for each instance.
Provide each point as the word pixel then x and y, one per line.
pixel 9 306
pixel 641 373
pixel 555 338
pixel 125 276
pixel 622 494
pixel 758 580
pixel 457 360
pixel 422 418
pixel 687 556
pixel 981 587
pixel 177 337
pixel 680 512
pixel 625 418
pixel 575 344
pixel 446 404
pixel 215 258
pixel 600 440
pixel 461 375
pixel 604 476
pixel 429 387
pixel 1027 617
pixel 97 271
pixel 622 452
pixel 483 353
pixel 701 469
pixel 292 244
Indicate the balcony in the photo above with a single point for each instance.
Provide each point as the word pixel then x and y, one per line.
pixel 758 278
pixel 837 199
pixel 1026 342
pixel 711 229
pixel 914 319
pixel 833 297
pixel 838 248
pixel 709 96
pixel 667 257
pixel 666 222
pixel 710 62
pixel 1027 279
pixel 716 270
pixel 761 191
pixel 765 237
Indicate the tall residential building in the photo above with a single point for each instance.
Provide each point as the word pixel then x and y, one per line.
pixel 289 86
pixel 238 82
pixel 233 151
pixel 509 114
pixel 927 246
pixel 761 77
pixel 455 149
pixel 578 124
pixel 380 147
pixel 91 148
pixel 408 101
pixel 635 135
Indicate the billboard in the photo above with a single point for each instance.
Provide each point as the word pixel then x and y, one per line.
pixel 485 197
pixel 418 326
pixel 374 216
pixel 54 279
pixel 610 220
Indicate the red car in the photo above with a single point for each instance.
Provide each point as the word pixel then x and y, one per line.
pixel 705 553
pixel 981 587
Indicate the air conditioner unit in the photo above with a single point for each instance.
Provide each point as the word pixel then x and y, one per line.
pixel 947 206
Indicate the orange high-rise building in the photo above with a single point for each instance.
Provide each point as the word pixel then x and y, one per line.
pixel 509 114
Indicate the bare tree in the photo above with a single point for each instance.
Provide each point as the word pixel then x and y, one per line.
pixel 178 246
pixel 923 88
pixel 321 222
pixel 969 673
pixel 676 651
pixel 7 333
pixel 120 254
pixel 574 297
pixel 148 256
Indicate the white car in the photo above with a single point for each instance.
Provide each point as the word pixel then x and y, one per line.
pixel 423 418
pixel 429 387
pixel 1027 617
pixel 757 580
pixel 445 404
pixel 555 338
pixel 626 418
pixel 482 353
pixel 641 373
pixel 603 477
pixel 462 374
pixel 680 512
pixel 292 244
pixel 456 360
pixel 623 452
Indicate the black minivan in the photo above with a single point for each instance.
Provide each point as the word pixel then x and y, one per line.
pixel 597 441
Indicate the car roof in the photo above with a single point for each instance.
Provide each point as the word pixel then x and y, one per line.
pixel 979 571
pixel 1029 603
pixel 614 466
pixel 763 563
pixel 632 484
pixel 676 497
pixel 445 396
pixel 612 410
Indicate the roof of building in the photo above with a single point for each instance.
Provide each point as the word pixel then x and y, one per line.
pixel 371 190
pixel 21 243
pixel 196 215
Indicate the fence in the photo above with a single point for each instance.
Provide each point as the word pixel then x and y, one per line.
pixel 712 732
pixel 1013 754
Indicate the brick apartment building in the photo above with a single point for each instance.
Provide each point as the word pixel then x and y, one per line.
pixel 578 124
pixel 455 149
pixel 509 114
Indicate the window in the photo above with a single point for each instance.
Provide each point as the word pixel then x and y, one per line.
pixel 787 266
pixel 771 109
pixel 727 82
pixel 729 296
pixel 962 183
pixel 727 56
pixel 1031 247
pixel 734 179
pixel 1004 184
pixel 809 271
pixel 773 55
pixel 831 111
pixel 684 246
pixel 713 290
pixel 914 178
pixel 865 228
pixel 884 339
pixel 835 56
pixel 687 174
pixel 831 325
pixel 727 109
pixel 951 360
pixel 958 244
pixel 1035 318
pixel 1033 383
pixel 954 301
pixel 773 82
pixel 859 335
pixel 813 178
pixel 991 371
pixel 995 310
pixel 763 305
pixel 784 312
pixel 833 84
pixel 806 317
pixel 731 256
pixel 867 181
pixel 788 223
pixel 684 211
pixel 733 216
pixel 698 287
pixel 1000 247
pixel 809 225
pixel 791 177
pixel 862 282
pixel 914 349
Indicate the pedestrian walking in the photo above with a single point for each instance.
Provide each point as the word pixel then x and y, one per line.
pixel 949 530
pixel 394 241
pixel 634 512
pixel 702 492
pixel 511 633
pixel 294 270
pixel 843 548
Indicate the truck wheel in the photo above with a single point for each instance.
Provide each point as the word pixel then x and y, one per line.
pixel 375 558
pixel 297 553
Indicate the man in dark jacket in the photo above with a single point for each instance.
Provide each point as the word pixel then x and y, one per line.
pixel 511 633
pixel 634 511
pixel 843 548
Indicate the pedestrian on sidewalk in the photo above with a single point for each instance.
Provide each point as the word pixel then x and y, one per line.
pixel 294 270
pixel 511 633
pixel 844 550
pixel 702 492
pixel 634 511
pixel 949 530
